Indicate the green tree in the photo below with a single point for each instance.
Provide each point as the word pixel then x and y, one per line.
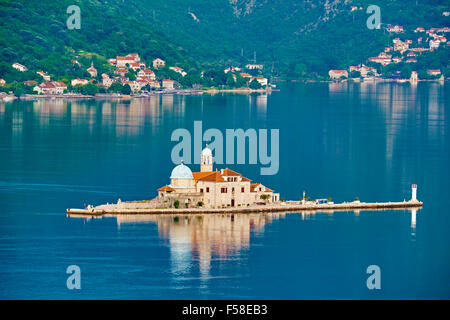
pixel 254 84
pixel 355 74
pixel 89 89
pixel 131 75
pixel 115 87
pixel 126 89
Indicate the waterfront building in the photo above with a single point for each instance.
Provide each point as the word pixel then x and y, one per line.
pixel 213 189
pixel 54 87
pixel 262 81
pixel 338 74
pixel 168 84
pixel 434 72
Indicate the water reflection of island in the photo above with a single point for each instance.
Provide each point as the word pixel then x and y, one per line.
pixel 203 237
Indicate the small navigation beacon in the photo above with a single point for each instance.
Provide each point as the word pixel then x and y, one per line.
pixel 414 192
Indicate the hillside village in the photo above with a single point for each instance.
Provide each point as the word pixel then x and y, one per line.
pixel 410 55
pixel 402 58
pixel 130 75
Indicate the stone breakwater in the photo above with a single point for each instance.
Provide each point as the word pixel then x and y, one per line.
pixel 146 208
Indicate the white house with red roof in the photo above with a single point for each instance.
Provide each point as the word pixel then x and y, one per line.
pixel 245 75
pixel 338 74
pixel 44 76
pixel 382 58
pixel 158 63
pixel 30 83
pixel 178 70
pixel 122 62
pixel 434 72
pixel 135 66
pixel 168 84
pixel 53 87
pixel 146 73
pixel 121 71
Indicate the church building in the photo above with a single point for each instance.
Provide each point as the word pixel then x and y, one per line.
pixel 213 189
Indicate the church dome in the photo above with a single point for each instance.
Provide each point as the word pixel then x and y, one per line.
pixel 181 172
pixel 206 152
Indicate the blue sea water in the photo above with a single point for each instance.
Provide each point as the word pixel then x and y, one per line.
pixel 339 140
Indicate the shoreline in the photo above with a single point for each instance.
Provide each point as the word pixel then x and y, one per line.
pixel 116 96
pixel 118 209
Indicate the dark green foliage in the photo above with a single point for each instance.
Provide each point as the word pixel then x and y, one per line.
pixel 126 89
pixel 292 38
pixel 254 84
pixel 115 88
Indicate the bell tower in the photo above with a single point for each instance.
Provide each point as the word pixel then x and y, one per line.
pixel 206 160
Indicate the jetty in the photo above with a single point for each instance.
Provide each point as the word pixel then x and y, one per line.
pixel 144 207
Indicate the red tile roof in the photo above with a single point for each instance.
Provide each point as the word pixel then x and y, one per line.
pixel 166 188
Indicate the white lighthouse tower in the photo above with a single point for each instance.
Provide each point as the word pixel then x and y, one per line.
pixel 414 192
pixel 206 160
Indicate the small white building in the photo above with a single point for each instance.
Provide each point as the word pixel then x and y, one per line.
pixel 434 72
pixel 338 74
pixel 19 67
pixel 254 66
pixel 434 44
pixel 2 82
pixel 178 70
pixel 44 76
pixel 77 81
pixel 168 84
pixel 146 73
